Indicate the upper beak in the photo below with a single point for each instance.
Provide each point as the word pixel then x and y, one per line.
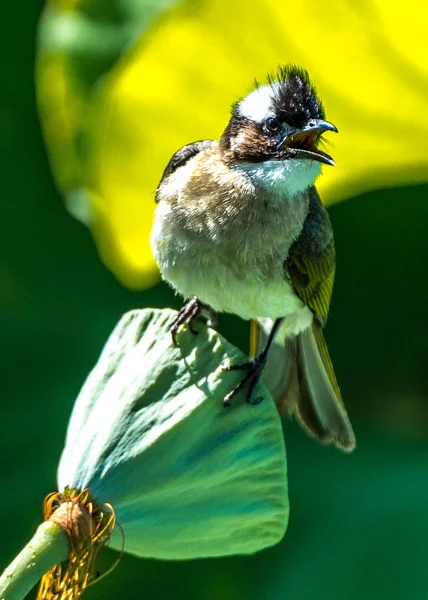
pixel 304 142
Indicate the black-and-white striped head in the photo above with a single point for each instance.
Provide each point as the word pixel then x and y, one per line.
pixel 280 121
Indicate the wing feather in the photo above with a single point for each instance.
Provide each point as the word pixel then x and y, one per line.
pixel 311 263
pixel 182 156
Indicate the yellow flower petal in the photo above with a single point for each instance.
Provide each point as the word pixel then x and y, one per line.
pixel 368 61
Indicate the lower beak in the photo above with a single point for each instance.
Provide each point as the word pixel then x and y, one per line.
pixel 304 143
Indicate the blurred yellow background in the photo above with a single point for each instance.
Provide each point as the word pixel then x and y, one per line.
pixel 119 96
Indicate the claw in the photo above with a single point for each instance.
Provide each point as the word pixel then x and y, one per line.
pixel 254 370
pixel 188 314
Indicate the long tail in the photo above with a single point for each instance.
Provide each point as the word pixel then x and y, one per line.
pixel 300 376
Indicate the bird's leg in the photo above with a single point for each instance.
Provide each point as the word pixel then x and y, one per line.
pixel 189 313
pixel 254 369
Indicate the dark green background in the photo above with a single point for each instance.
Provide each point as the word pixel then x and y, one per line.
pixel 359 523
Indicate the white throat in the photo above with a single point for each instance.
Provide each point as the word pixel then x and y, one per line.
pixel 288 177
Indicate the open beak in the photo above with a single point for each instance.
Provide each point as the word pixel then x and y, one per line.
pixel 304 143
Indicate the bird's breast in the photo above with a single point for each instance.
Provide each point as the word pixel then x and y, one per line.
pixel 226 241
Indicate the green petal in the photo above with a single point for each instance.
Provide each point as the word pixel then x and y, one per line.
pixel 186 476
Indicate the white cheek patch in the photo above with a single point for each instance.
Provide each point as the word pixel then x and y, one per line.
pixel 257 106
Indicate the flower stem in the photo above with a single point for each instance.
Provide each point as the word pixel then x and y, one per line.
pixel 49 546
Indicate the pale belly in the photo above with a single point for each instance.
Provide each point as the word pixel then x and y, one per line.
pixel 220 289
pixel 223 292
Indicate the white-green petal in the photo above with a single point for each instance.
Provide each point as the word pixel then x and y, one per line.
pixel 149 434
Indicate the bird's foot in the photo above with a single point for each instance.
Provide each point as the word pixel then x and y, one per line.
pixel 189 314
pixel 254 370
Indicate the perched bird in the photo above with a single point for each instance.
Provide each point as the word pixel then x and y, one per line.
pixel 240 228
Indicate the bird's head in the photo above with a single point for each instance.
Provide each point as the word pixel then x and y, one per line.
pixel 282 121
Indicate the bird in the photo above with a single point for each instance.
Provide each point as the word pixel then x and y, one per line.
pixel 239 228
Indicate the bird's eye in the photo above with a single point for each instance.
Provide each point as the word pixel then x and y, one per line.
pixel 272 125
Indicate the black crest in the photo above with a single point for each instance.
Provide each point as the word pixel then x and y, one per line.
pixel 294 98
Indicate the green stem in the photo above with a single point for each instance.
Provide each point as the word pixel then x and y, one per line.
pixel 49 546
